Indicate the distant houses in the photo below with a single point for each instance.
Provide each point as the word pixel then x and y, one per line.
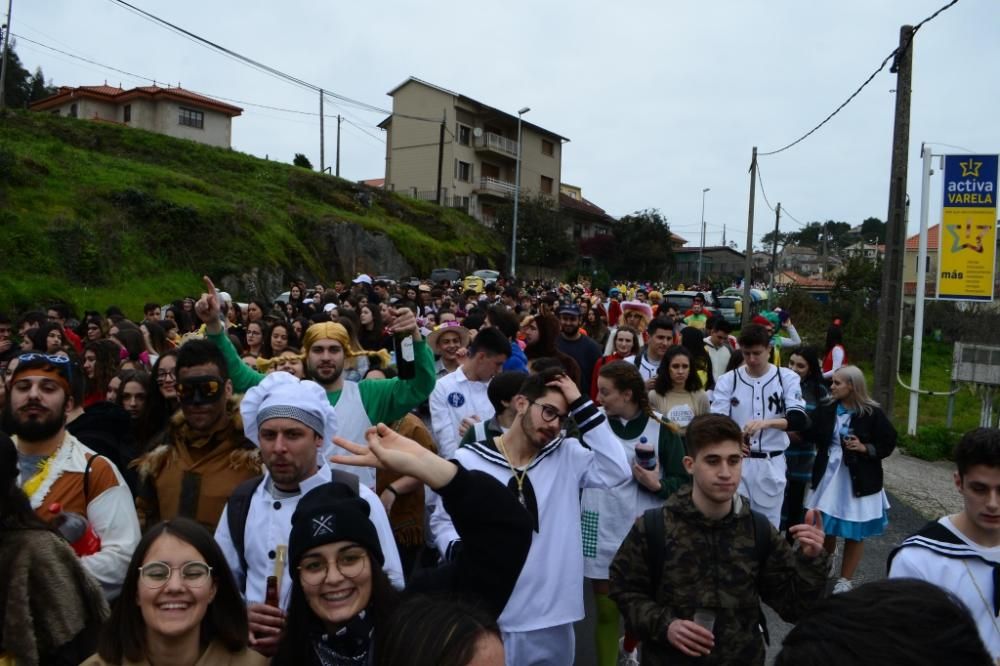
pixel 175 112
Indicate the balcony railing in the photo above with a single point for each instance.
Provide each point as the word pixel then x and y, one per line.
pixel 495 186
pixel 497 144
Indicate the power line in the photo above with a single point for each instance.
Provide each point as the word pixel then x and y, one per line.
pixel 267 69
pixel 889 57
pixel 221 97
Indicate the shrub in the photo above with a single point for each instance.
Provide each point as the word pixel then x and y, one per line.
pixel 932 442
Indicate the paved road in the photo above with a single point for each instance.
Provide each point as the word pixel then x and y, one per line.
pixel 918 491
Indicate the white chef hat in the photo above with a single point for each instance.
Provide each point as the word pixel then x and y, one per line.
pixel 283 395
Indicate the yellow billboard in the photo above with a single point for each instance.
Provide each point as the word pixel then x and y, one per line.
pixel 967 247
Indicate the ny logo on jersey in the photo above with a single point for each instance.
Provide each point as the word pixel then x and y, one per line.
pixel 776 403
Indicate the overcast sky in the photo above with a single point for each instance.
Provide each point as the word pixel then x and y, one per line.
pixel 660 99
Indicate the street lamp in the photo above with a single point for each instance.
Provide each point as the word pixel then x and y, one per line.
pixel 517 194
pixel 701 248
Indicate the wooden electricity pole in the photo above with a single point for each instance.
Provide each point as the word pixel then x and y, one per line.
pixel 889 307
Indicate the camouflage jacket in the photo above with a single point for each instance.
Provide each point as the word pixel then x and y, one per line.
pixel 711 564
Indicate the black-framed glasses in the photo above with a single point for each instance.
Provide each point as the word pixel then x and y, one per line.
pixel 550 413
pixel 164 375
pixel 350 563
pixel 155 575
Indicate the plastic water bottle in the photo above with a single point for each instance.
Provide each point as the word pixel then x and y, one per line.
pixel 645 456
pixel 76 530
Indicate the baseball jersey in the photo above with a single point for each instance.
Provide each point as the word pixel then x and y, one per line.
pixel 770 396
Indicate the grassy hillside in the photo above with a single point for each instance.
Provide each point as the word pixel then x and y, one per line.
pixel 93 213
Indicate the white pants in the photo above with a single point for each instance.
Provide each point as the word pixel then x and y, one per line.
pixel 551 646
pixel 763 482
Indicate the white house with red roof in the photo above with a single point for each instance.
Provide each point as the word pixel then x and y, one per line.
pixel 175 112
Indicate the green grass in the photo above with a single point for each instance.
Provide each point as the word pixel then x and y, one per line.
pixel 933 441
pixel 96 214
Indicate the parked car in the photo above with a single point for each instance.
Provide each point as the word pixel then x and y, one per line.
pixel 683 299
pixel 439 275
pixel 488 276
pixel 727 308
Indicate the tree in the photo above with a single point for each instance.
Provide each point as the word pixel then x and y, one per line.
pixel 873 230
pixel 644 249
pixel 543 232
pixel 811 235
pixel 767 242
pixel 302 161
pixel 38 88
pixel 17 85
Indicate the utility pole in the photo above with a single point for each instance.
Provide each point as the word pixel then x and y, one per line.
pixel 889 307
pixel 723 235
pixel 774 249
pixel 338 145
pixel 444 121
pixel 826 228
pixel 322 141
pixel 701 247
pixel 748 263
pixel 6 47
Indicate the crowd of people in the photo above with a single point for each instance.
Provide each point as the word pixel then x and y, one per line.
pixel 381 473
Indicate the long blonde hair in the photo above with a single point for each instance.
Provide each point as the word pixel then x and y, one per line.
pixel 862 401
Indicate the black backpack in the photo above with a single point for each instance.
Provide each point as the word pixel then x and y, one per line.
pixel 238 507
pixel 656 550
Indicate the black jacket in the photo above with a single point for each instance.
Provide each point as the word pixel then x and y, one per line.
pixel 875 431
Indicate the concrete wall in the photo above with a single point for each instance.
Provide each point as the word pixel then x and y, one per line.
pixel 217 129
pixel 414 158
pixel 89 109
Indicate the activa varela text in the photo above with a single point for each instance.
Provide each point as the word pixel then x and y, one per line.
pixel 970 192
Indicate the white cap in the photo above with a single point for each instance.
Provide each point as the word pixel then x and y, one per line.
pixel 363 278
pixel 281 394
pixel 329 306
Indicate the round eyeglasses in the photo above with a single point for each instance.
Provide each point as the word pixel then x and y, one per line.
pixel 350 564
pixel 155 575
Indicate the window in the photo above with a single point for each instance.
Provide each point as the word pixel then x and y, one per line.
pixel 72 110
pixel 464 135
pixel 546 186
pixel 191 118
pixel 548 148
pixel 127 113
pixel 464 172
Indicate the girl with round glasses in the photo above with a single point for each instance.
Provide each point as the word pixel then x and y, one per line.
pixel 343 609
pixel 179 605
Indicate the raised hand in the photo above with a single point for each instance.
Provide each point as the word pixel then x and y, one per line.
pixel 810 533
pixel 208 308
pixel 388 449
pixel 568 388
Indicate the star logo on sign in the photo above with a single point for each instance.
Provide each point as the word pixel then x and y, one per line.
pixel 970 169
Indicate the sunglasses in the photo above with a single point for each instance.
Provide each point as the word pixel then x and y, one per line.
pixel 48 358
pixel 200 390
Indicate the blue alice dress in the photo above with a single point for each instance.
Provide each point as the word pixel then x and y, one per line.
pixel 845 515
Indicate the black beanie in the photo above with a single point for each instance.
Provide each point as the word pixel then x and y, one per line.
pixel 330 513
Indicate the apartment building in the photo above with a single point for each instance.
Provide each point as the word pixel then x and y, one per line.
pixel 479 156
pixel 172 111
